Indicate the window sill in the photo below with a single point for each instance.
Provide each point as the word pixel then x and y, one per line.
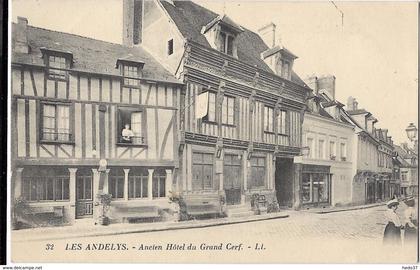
pixel 209 122
pixel 52 78
pixel 131 144
pixel 269 132
pixel 228 125
pixel 131 86
pixel 56 142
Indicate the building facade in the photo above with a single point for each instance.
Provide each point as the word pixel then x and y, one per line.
pixel 247 142
pixel 327 169
pixel 76 101
pixel 408 169
pixel 373 152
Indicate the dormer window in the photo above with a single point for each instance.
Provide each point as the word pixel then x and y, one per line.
pixel 221 33
pixel 131 71
pixel 285 69
pixel 58 63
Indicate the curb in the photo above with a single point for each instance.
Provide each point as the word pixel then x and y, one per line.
pixel 175 226
pixel 348 209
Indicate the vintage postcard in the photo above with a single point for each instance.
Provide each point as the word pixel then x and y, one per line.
pixel 159 131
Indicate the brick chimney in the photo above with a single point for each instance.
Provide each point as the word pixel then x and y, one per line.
pixel 132 22
pixel 327 83
pixel 312 82
pixel 21 38
pixel 352 104
pixel 268 34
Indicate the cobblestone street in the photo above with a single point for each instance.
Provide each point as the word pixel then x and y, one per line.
pixel 348 236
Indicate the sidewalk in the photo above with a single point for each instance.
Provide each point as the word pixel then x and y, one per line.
pixel 86 228
pixel 332 209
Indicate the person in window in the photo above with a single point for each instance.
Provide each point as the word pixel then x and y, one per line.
pixel 392 233
pixel 127 134
pixel 411 222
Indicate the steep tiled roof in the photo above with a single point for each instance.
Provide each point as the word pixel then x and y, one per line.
pixel 89 54
pixel 190 18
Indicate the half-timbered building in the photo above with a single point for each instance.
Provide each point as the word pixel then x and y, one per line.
pixel 247 142
pixel 76 101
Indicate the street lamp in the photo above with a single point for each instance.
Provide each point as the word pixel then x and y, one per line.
pixel 411 132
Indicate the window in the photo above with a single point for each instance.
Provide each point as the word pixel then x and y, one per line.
pixel 257 179
pixel 228 110
pixel 159 179
pixel 116 183
pixel 137 183
pixel 404 176
pixel 56 123
pixel 281 123
pixel 226 45
pixel 310 144
pixel 343 151
pixel 268 119
pixel 131 75
pixel 130 126
pixel 315 188
pixel 202 169
pixel 57 67
pixel 332 150
pixel 321 149
pixel 211 114
pixel 170 47
pixel 84 185
pixel 46 185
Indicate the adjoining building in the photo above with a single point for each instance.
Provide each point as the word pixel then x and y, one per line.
pixel 327 169
pixel 372 167
pixel 76 101
pixel 247 142
pixel 408 167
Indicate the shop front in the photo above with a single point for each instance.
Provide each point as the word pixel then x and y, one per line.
pixel 316 185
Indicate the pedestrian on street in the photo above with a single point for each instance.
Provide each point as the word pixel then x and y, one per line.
pixel 392 233
pixel 411 222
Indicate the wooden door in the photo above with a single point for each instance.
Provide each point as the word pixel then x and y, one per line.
pixel 84 195
pixel 232 176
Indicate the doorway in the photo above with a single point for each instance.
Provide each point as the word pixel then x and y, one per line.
pixel 232 179
pixel 284 181
pixel 84 194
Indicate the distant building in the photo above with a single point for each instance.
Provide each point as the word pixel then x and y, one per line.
pixel 327 169
pixel 408 160
pixel 373 161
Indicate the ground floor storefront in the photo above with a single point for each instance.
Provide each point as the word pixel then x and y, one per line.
pixel 370 187
pixel 54 195
pixel 316 185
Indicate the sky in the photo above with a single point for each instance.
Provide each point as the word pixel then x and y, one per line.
pixel 372 52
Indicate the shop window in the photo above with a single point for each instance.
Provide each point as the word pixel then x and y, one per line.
pixel 228 110
pixel 116 183
pixel 315 188
pixel 56 123
pixel 131 125
pixel 257 179
pixel 46 185
pixel 202 170
pixel 159 180
pixel 268 119
pixel 137 183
